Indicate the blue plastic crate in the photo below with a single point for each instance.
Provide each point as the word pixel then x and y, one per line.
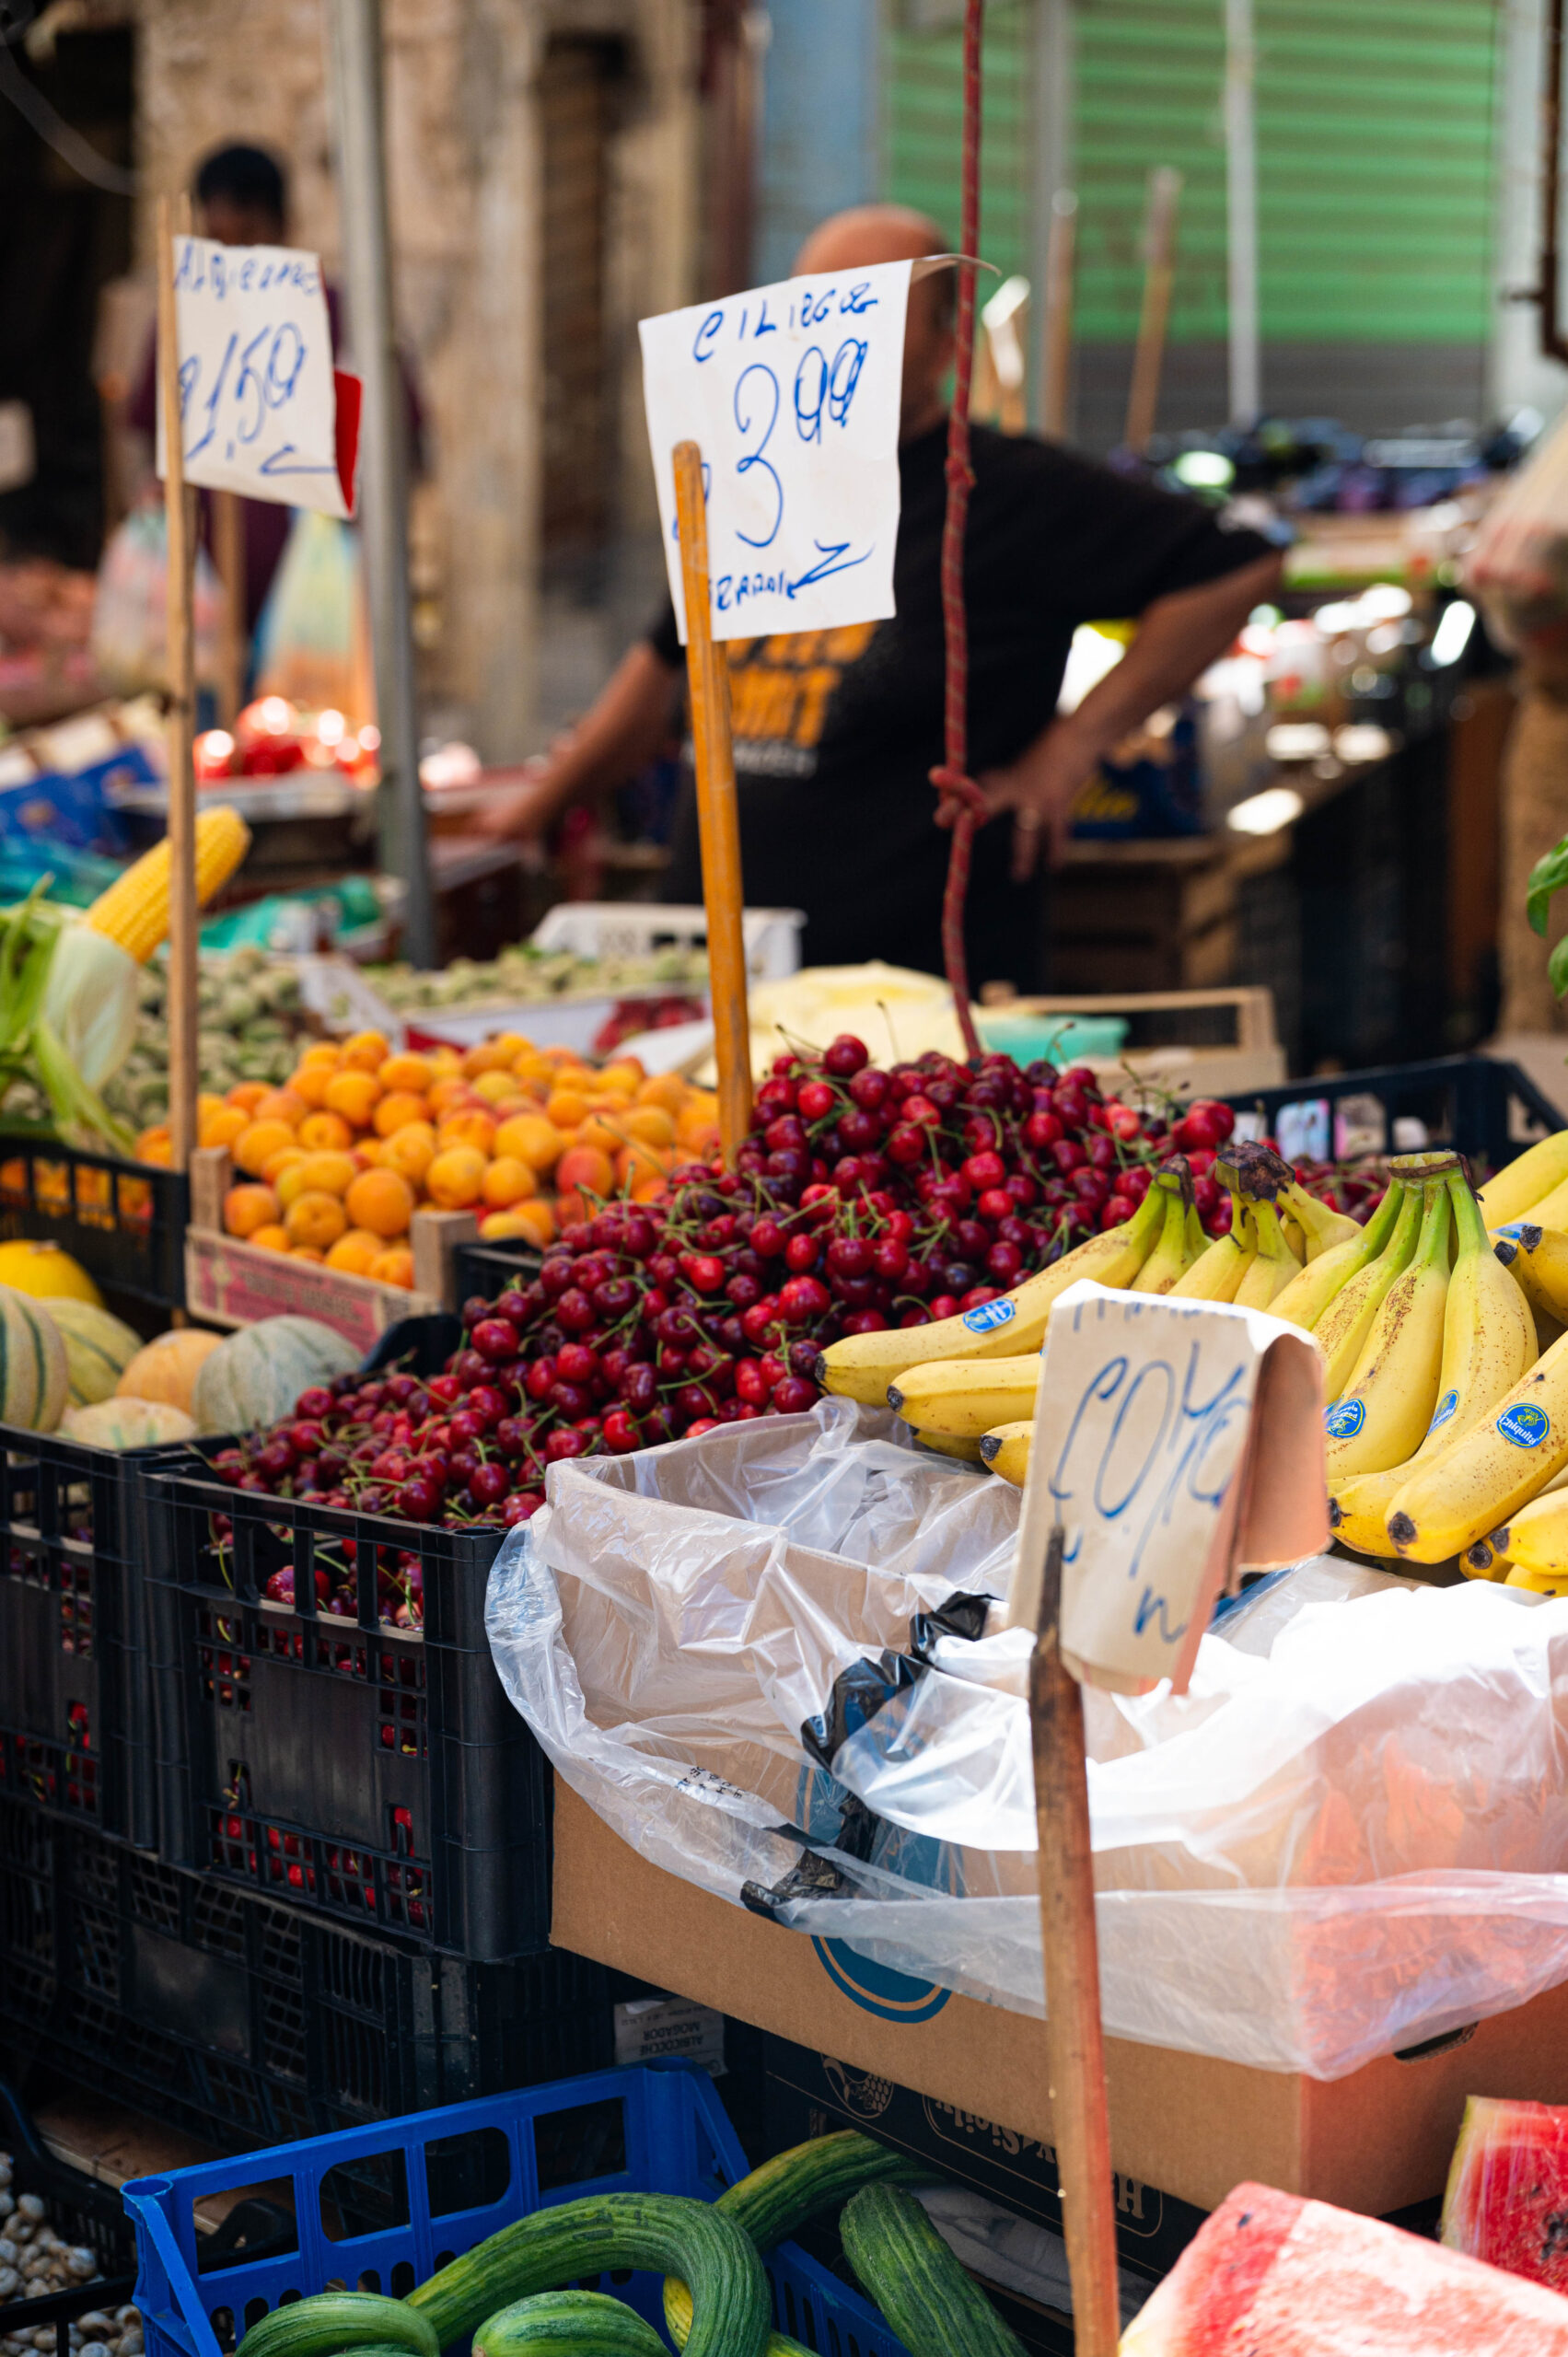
pixel 381 2208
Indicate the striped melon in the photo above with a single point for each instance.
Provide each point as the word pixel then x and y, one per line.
pixel 126 1423
pixel 255 1377
pixel 167 1367
pixel 99 1348
pixel 34 1379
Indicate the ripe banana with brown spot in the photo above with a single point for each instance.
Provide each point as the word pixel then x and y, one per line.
pixel 1006 1451
pixel 965 1398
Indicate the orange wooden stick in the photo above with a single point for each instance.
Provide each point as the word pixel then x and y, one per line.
pixel 718 820
pixel 174 220
pixel 1075 2040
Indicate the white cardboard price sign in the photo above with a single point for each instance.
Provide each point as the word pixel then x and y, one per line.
pixel 792 391
pixel 259 396
pixel 1174 1440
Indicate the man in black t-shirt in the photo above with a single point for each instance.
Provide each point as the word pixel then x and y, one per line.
pixel 836 732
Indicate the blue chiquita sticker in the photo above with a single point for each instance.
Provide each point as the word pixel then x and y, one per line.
pixel 1526 1425
pixel 988 1316
pixel 1443 1410
pixel 1344 1418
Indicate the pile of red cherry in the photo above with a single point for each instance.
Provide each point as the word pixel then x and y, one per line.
pixel 863 1199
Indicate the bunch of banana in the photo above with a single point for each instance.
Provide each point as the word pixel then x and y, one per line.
pixel 1486 1342
pixel 957 1399
pixel 862 1366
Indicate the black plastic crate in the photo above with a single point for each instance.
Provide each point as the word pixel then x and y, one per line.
pixel 488 1269
pixel 125 1222
pixel 236 2019
pixel 81 2211
pixel 75 1700
pixel 1487 1110
pixel 370 1773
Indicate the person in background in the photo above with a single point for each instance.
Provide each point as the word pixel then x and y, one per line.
pixel 837 732
pixel 241 199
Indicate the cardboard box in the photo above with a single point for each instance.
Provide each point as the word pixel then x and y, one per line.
pixel 1378 2141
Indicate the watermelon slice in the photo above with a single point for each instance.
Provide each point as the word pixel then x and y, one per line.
pixel 1268 2275
pixel 1507 2197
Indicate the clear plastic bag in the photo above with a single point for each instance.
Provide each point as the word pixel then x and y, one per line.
pixel 130 631
pixel 760 1658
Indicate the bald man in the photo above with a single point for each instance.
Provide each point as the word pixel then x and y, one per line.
pixel 836 732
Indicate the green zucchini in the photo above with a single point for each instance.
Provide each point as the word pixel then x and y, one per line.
pixel 934 2305
pixel 567 2323
pixel 554 2247
pixel 330 2323
pixel 784 2194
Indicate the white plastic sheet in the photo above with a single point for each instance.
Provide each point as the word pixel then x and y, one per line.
pixel 1344 1844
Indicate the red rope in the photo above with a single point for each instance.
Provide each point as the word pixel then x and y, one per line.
pixel 961 798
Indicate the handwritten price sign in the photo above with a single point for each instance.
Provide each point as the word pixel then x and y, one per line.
pixel 1173 1442
pixel 258 392
pixel 791 392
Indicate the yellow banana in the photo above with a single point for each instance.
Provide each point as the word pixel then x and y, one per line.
pixel 861 1366
pixel 1538 1583
pixel 1492 1557
pixel 1525 1181
pixel 1477 1483
pixel 1538 1260
pixel 1389 1403
pixel 1216 1273
pixel 1308 1294
pixel 1167 1262
pixel 1323 1227
pixel 1006 1451
pixel 1551 1211
pixel 1341 1332
pixel 951 1444
pixel 1197 1236
pixel 966 1397
pixel 1274 1265
pixel 1488 1343
pixel 1538 1539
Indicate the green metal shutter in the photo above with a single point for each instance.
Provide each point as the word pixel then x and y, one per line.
pixel 1376 164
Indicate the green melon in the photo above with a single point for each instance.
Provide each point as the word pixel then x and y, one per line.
pixel 255 1377
pixel 127 1424
pixel 99 1348
pixel 34 1377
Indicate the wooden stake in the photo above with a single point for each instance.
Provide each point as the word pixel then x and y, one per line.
pixel 229 557
pixel 1159 272
pixel 1056 319
pixel 1075 2039
pixel 174 220
pixel 718 820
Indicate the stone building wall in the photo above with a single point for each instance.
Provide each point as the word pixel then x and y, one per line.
pixel 463 153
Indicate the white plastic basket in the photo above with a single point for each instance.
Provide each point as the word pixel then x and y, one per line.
pixel 640 928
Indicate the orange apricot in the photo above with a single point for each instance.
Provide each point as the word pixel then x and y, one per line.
pixel 258 1142
pixel 410 1152
pixel 280 1104
pixel 331 1171
pixel 587 1167
pixel 306 1252
pixel 246 1094
pixel 393 1267
pixel 507 1181
pixel 274 1238
pixel 355 1250
pixel 400 1106
pixel 468 1128
pixel 532 1139
pixel 367 1052
pixel 381 1200
pixel 309 1081
pixel 325 1132
pixel 223 1127
pixel 665 1089
pixel 650 1125
pixel 533 1220
pixel 456 1178
pixel 286 1158
pixel 567 1109
pixel 406 1069
pixel 354 1094
pixel 245 1209
pixel 315 1218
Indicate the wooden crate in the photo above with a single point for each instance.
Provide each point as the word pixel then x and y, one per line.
pixel 1153 916
pixel 1197 1067
pixel 228 1283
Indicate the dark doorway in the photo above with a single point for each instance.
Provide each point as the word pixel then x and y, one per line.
pixel 581 88
pixel 64 238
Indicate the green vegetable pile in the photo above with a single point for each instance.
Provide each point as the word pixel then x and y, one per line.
pixel 524 973
pixel 512 2295
pixel 246 1029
